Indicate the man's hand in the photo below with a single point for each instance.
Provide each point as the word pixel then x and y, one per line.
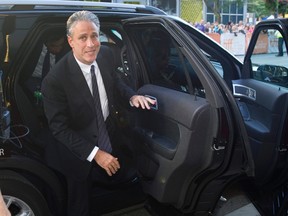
pixel 141 101
pixel 109 163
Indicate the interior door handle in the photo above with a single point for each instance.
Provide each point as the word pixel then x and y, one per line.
pixel 153 106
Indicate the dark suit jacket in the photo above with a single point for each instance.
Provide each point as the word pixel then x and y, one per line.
pixel 69 108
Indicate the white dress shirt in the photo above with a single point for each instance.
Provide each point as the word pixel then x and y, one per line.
pixel 102 93
pixel 38 69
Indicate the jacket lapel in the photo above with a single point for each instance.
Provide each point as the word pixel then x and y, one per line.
pixel 79 81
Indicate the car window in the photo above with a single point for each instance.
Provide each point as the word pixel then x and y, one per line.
pixel 227 66
pixel 166 65
pixel 12 34
pixel 269 58
pixel 110 35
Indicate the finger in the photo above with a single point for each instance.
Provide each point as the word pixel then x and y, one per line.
pixel 142 103
pixel 116 163
pixel 108 171
pixel 113 169
pixel 147 104
pixel 136 103
pixel 151 101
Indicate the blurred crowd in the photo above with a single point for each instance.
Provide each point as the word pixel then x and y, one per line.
pixel 220 28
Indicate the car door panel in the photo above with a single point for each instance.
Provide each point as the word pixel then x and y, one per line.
pixel 263 115
pixel 168 135
pixel 263 101
pixel 185 143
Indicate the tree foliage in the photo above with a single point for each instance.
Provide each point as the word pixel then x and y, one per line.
pixel 258 7
pixel 261 8
pixel 278 7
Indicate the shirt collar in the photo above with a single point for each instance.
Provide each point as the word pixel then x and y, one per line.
pixel 84 67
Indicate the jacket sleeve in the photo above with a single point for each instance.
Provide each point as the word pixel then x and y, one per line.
pixel 59 118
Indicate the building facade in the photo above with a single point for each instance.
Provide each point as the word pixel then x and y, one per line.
pixel 195 10
pixel 230 10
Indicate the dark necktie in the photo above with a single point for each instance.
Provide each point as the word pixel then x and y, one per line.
pixel 46 64
pixel 103 138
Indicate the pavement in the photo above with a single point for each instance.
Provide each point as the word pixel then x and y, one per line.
pixel 235 203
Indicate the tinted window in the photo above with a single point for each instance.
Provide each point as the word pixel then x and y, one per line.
pixel 13 32
pixel 165 63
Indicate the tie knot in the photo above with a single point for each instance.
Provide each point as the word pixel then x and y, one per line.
pixel 92 69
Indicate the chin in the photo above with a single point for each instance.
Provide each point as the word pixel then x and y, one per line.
pixel 91 59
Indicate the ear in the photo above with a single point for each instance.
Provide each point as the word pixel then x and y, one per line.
pixel 70 41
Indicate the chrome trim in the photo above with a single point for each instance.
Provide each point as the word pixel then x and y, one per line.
pixel 249 92
pixel 69 3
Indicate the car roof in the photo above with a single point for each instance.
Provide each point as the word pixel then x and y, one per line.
pixel 33 5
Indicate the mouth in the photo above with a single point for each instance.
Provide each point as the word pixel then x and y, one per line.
pixel 91 51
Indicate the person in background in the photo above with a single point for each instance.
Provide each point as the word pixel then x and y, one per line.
pixel 79 103
pixel 48 53
pixel 280 43
pixel 52 51
pixel 200 25
pixel 207 27
pixel 241 27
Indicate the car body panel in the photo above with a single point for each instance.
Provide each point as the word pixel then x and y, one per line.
pixel 181 147
pixel 213 124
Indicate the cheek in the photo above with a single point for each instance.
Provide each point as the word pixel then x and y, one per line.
pixel 97 44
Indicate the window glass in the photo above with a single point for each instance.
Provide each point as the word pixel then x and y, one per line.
pixel 14 30
pixel 233 7
pixel 111 36
pixel 164 62
pixel 240 8
pixel 210 18
pixel 233 19
pixel 210 6
pixel 225 8
pixel 169 6
pixel 239 18
pixel 269 60
pixel 225 19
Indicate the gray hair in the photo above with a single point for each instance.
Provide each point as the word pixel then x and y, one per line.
pixel 81 16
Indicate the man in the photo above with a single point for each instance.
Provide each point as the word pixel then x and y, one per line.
pixel 48 54
pixel 200 25
pixel 52 51
pixel 280 43
pixel 70 106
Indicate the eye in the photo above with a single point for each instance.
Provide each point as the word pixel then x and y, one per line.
pixel 83 38
pixel 94 36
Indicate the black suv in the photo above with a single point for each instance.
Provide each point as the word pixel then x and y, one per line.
pixel 218 123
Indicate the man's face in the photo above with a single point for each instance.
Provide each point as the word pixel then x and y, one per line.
pixel 56 47
pixel 84 41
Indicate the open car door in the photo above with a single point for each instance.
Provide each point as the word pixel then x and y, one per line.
pixel 262 96
pixel 193 141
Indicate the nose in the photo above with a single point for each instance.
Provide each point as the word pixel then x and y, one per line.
pixel 90 42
